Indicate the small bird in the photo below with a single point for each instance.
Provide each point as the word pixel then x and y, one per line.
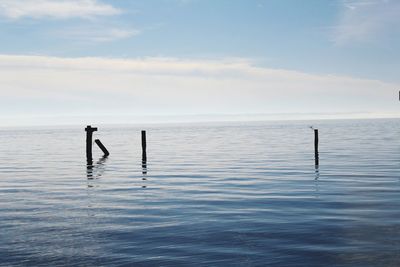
pixel 311 127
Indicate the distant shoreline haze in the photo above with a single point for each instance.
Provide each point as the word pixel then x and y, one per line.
pixel 21 121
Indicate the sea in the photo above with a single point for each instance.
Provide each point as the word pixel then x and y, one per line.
pixel 209 194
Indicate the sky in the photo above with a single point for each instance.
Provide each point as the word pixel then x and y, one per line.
pixel 102 61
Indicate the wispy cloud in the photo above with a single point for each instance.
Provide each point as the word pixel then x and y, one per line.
pixel 60 9
pixel 366 20
pixel 151 86
pixel 97 34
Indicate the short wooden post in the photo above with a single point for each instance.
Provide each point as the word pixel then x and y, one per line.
pixel 144 144
pixel 89 137
pixel 316 154
pixel 102 147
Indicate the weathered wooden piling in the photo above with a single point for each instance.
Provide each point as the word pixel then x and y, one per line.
pixel 102 147
pixel 144 145
pixel 316 154
pixel 89 137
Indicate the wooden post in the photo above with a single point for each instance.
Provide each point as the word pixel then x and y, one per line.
pixel 316 155
pixel 102 147
pixel 144 154
pixel 89 135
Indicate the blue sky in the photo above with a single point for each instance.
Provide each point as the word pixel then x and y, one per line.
pixel 190 57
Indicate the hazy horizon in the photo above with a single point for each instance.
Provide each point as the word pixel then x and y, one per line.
pixel 49 121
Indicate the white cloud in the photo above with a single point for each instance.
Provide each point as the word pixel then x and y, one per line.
pixel 152 86
pixel 367 20
pixel 98 34
pixel 16 9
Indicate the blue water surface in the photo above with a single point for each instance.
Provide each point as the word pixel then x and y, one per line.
pixel 216 194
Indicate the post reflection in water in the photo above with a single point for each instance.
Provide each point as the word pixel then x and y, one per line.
pixel 316 172
pixel 97 170
pixel 89 168
pixel 144 169
pixel 144 172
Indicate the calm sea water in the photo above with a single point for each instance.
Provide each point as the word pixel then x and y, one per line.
pixel 238 194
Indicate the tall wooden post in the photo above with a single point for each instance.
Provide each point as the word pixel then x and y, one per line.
pixel 144 145
pixel 316 154
pixel 89 137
